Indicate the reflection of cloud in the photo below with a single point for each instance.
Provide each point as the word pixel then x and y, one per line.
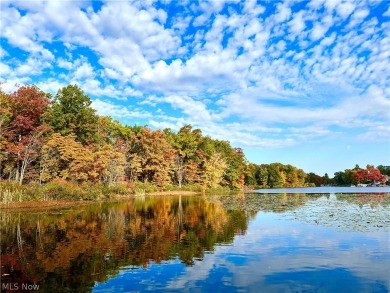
pixel 273 247
pixel 279 253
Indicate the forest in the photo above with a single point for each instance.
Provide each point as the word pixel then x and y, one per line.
pixel 61 143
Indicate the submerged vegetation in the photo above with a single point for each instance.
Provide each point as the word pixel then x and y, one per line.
pixel 59 148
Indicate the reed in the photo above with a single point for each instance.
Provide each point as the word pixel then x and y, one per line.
pixel 139 192
pixel 11 192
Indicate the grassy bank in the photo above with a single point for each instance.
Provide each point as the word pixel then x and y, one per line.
pixel 11 192
pixel 61 190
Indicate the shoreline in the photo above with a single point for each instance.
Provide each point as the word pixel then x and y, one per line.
pixel 174 192
pixel 58 204
pixel 39 205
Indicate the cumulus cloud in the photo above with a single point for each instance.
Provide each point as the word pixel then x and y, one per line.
pixel 297 24
pixel 345 9
pixel 318 32
pixel 116 111
pixel 277 67
pixel 387 13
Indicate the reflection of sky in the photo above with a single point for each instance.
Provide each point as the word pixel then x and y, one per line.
pixel 275 255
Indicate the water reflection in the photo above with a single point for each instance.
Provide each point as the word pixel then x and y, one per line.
pixel 241 242
pixel 77 247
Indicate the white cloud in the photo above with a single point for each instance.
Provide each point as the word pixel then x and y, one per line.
pixel 252 7
pixel 109 109
pixel 4 69
pixel 3 53
pixel 379 133
pixel 165 124
pixel 357 17
pixel 387 13
pixel 85 70
pixel 318 32
pixel 297 24
pixel 331 4
pixel 283 12
pixel 240 64
pixel 345 9
pixel 51 85
pixel 316 4
pixel 62 63
pixel 196 110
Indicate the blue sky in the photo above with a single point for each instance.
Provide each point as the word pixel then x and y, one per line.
pixel 299 82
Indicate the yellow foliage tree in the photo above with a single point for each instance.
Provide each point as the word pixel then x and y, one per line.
pixel 110 164
pixel 214 169
pixel 64 157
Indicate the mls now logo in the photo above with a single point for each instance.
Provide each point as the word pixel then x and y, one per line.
pixel 17 286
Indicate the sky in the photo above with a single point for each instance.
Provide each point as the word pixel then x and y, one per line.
pixel 305 83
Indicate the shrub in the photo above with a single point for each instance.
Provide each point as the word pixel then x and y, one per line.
pixel 144 187
pixel 119 189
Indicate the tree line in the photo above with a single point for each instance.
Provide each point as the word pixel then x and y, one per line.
pixel 357 175
pixel 45 138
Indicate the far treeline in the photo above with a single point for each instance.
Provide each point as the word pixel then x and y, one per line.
pixel 62 140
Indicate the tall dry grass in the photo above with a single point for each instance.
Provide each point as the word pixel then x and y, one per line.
pixel 11 192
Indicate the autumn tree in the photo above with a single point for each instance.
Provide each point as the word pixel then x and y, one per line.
pixel 110 163
pixel 327 180
pixel 385 170
pixel 71 112
pixel 112 132
pixel 278 175
pixel 193 170
pixel 155 156
pixel 250 174
pixel 185 143
pixel 213 171
pixel 262 176
pixel 234 174
pixel 361 175
pixel 24 131
pixel 64 157
pixel 315 179
pixel 374 175
pixel 5 119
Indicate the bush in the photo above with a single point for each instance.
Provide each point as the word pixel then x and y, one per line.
pixel 66 190
pixel 144 187
pixel 62 189
pixel 218 190
pixel 119 189
pixel 11 191
pixel 193 187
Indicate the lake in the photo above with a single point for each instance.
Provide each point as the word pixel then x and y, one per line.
pixel 258 242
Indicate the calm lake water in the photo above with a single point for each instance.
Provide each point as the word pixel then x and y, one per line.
pixel 233 243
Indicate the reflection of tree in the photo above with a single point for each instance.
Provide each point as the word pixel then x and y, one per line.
pixel 75 248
